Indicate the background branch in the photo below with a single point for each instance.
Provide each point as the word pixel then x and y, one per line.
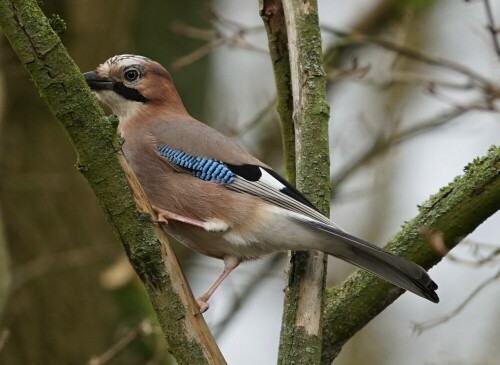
pixel 424 326
pixel 144 328
pixel 385 141
pixel 247 291
pixel 352 38
pixel 492 28
pixel 455 211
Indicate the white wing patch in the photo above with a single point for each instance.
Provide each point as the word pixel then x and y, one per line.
pixel 270 192
pixel 267 179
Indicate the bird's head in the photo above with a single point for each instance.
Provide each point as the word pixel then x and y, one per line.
pixel 129 83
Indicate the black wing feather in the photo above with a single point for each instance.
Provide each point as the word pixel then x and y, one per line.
pixel 291 190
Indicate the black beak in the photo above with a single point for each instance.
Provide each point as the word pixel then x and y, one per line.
pixel 96 82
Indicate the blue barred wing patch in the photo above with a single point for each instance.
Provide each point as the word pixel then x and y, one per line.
pixel 203 168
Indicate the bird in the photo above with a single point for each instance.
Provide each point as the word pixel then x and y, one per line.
pixel 212 195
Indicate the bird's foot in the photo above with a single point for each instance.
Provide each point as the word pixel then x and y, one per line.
pixel 202 304
pixel 230 263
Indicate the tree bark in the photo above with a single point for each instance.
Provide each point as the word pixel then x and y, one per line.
pixel 61 84
pixel 295 45
pixel 273 16
pixel 57 252
pixel 455 211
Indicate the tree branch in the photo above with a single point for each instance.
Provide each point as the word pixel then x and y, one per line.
pixel 492 28
pixel 385 141
pixel 455 211
pixel 295 45
pixel 424 326
pixel 93 136
pixel 354 38
pixel 144 328
pixel 273 17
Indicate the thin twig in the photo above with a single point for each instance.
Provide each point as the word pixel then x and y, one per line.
pixel 248 290
pixel 57 262
pixel 479 245
pixel 144 328
pixel 403 77
pixel 383 143
pixel 361 74
pixel 492 28
pixel 402 50
pixel 491 258
pixel 197 54
pixel 215 40
pixel 229 23
pixel 252 123
pixel 424 326
pixel 486 104
pixel 355 70
pixel 411 78
pixel 202 34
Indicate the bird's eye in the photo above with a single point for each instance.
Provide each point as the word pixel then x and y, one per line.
pixel 131 75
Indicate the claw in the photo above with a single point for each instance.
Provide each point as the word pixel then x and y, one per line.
pixel 203 306
pixel 230 263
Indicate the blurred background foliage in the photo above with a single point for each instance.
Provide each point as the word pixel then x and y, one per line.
pixel 72 294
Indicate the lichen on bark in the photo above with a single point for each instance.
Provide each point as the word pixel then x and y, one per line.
pixel 455 211
pixel 295 47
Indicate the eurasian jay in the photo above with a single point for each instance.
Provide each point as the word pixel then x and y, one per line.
pixel 216 198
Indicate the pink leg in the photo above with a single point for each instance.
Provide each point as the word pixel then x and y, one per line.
pixel 165 215
pixel 230 263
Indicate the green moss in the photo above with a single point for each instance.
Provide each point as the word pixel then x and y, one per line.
pixel 455 211
pixel 303 348
pixel 278 47
pixel 93 136
pixel 58 24
pixel 305 140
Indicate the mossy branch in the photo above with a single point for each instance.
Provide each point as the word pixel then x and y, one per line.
pixel 295 45
pixel 93 136
pixel 455 211
pixel 273 16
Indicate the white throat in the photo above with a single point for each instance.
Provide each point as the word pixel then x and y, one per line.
pixel 123 108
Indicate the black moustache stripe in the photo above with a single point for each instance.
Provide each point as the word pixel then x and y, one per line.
pixel 128 93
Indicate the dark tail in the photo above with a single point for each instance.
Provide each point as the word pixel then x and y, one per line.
pixel 395 269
